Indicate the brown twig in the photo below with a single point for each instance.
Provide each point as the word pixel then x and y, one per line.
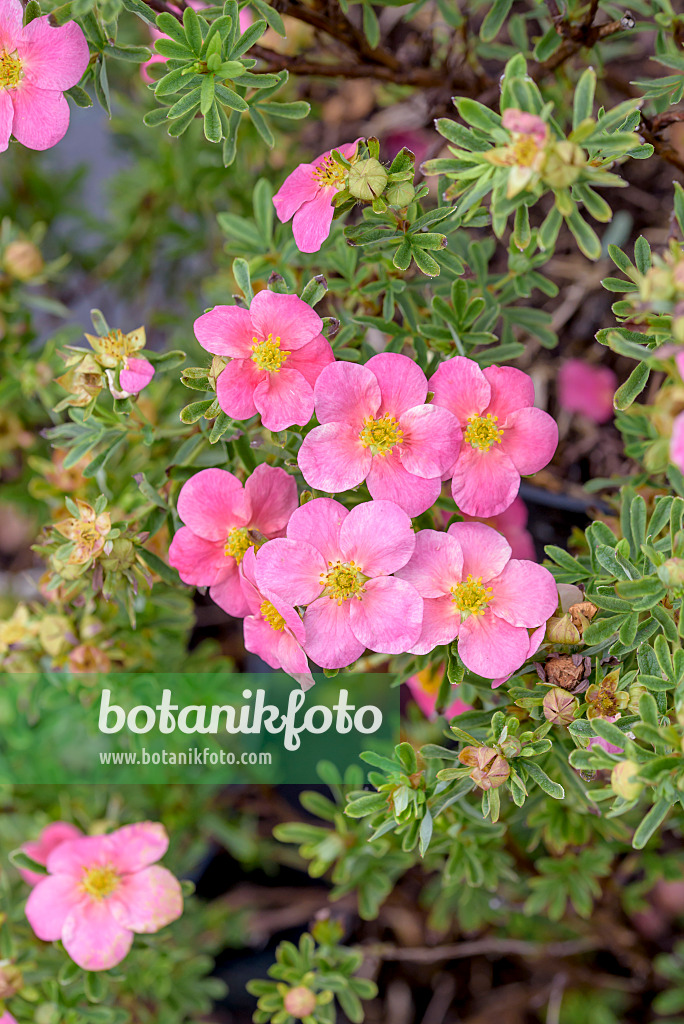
pixel 480 947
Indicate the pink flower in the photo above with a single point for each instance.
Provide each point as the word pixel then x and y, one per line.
pixel 525 153
pixel 519 122
pixel 197 5
pixel 511 523
pixel 273 629
pixel 424 687
pixel 504 436
pixel 40 849
pixel 276 353
pixel 587 389
pixel 308 194
pixel 101 890
pixel 473 589
pixel 677 442
pixel 223 520
pixel 375 426
pixel 338 563
pixel 38 62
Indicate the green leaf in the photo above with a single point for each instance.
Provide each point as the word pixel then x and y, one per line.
pixel 248 38
pixel 193 30
pixel 494 20
pixel 22 861
pixel 243 278
pixel 371 26
pixel 270 15
pixel 642 255
pixel 213 130
pixel 583 104
pixel 161 569
pixel 632 388
pixel 79 96
pixel 426 827
pixel 262 126
pixel 650 823
pixel 585 236
pixel 551 788
pixel 206 95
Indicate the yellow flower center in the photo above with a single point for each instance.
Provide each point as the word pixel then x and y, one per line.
pixel 11 72
pixel 115 344
pixel 471 597
pixel 268 355
pixel 482 432
pixel 240 539
pixel 342 581
pixel 381 435
pixel 525 150
pixel 100 882
pixel 272 616
pixel 330 174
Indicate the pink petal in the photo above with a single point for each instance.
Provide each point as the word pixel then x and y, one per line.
pixel 346 392
pixel 226 331
pixel 136 375
pixel 536 641
pixel 588 389
pixel 319 522
pixel 490 646
pixel 235 388
pixel 39 850
pixel 6 119
pixel 460 386
pixel 248 582
pixel 436 565
pixel 53 57
pixel 72 856
pixel 377 535
pixel 292 569
pixel 147 900
pixel 484 483
pixel 212 502
pixel 50 903
pixel 285 316
pixel 330 642
pixel 299 187
pixel 272 494
pixel 228 594
pixel 332 458
pixel 530 438
pixel 388 617
pixel 402 382
pixel 440 624
pixel 294 661
pixel 347 149
pixel 93 939
pixel 311 222
pixel 284 398
pixel 525 594
pixel 485 552
pixel 136 846
pixel 432 440
pixel 389 480
pixel 311 359
pixel 197 560
pixel 511 390
pixel 677 442
pixel 11 20
pixel 262 640
pixel 41 116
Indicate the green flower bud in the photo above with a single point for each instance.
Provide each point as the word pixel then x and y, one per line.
pixel 300 1002
pixel 560 706
pixel 511 746
pixel 563 165
pixel 22 260
pixel 671 573
pixel 366 179
pixel 623 779
pixel 400 194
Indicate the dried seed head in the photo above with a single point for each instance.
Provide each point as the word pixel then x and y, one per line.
pixel 560 706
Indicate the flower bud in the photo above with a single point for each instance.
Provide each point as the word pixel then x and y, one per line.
pixel 671 573
pixel 490 769
pixel 88 658
pixel 560 630
pixel 563 164
pixel 300 1002
pixel 623 779
pixel 560 706
pixel 22 260
pixel 120 557
pixel 635 691
pixel 511 746
pixel 367 179
pixel 400 194
pixel 11 981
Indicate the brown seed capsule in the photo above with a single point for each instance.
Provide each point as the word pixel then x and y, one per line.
pixel 565 671
pixel 560 706
pixel 581 614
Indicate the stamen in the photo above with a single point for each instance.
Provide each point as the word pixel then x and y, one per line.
pixel 115 344
pixel 381 435
pixel 471 597
pixel 272 616
pixel 525 149
pixel 342 581
pixel 330 174
pixel 482 432
pixel 11 72
pixel 240 539
pixel 267 354
pixel 100 882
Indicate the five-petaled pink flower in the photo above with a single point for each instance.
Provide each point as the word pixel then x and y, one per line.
pixel 473 589
pixel 504 436
pixel 338 563
pixel 308 194
pixel 525 153
pixel 375 426
pixel 38 62
pixel 273 629
pixel 40 849
pixel 587 389
pixel 223 520
pixel 100 890
pixel 276 353
pixel 425 686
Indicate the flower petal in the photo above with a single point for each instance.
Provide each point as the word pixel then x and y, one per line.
pixel 436 564
pixel 440 625
pixel 6 119
pixel 284 316
pixel 511 390
pixel 228 594
pixel 484 483
pixel 389 615
pixel 485 551
pixel 72 856
pixel 311 223
pixel 460 386
pixel 136 375
pixel 319 522
pixel 294 660
pixel 330 642
pixel 332 458
pixel 292 569
pixel 235 388
pixel 299 187
pixel 346 392
pixel 147 900
pixel 93 939
pixel 525 594
pixel 284 398
pixel 530 438
pixel 402 382
pixel 490 646
pixel 677 442
pixel 11 20
pixel 226 331
pixel 212 502
pixel 389 480
pixel 41 116
pixel 53 57
pixel 432 440
pixel 136 846
pixel 50 903
pixel 272 494
pixel 377 535
pixel 197 560
pixel 311 359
